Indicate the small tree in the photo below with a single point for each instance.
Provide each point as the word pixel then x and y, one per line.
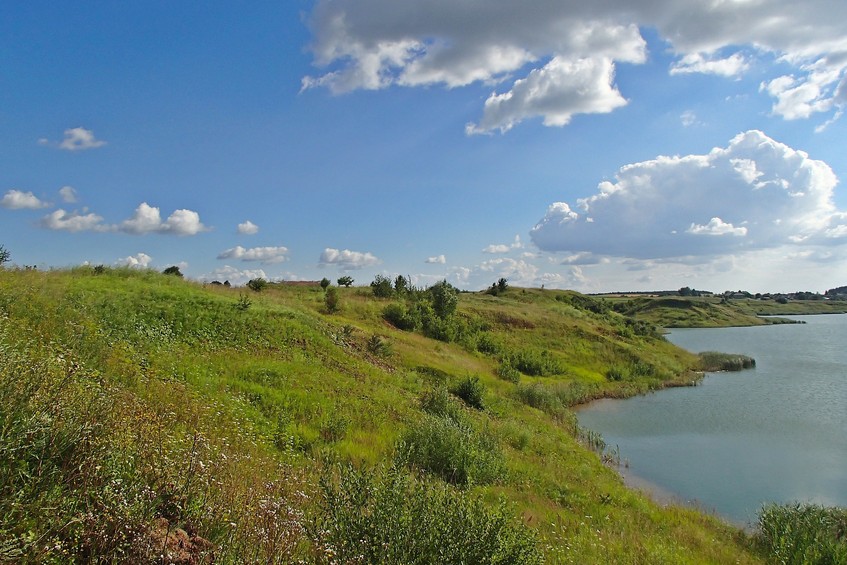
pixel 502 285
pixel 4 255
pixel 331 300
pixel 257 285
pixel 345 281
pixel 173 270
pixel 381 287
pixel 324 283
pixel 401 284
pixel 445 299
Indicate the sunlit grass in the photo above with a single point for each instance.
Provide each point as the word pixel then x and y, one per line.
pixel 220 418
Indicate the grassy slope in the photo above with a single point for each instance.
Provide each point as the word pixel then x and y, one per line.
pixel 708 312
pixel 276 390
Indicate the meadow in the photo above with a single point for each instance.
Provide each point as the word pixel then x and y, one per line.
pixel 146 418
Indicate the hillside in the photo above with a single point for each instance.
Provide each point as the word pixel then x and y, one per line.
pixel 144 415
pixel 712 312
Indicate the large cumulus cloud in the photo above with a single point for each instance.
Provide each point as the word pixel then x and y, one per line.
pixel 557 59
pixel 756 193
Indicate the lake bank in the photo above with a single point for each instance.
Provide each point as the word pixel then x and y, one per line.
pixel 742 439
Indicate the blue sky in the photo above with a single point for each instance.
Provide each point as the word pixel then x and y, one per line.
pixel 594 146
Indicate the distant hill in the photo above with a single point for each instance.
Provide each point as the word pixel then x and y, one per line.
pixel 839 292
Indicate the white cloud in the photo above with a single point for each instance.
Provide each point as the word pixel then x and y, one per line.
pixel 559 57
pixel 555 92
pixel 236 277
pixel 734 65
pixel 62 220
pixel 762 192
pixel 68 194
pixel 716 226
pixel 438 260
pixel 688 118
pixel 19 200
pixel 139 260
pixel 347 260
pixel 262 254
pixel 248 228
pixel 147 219
pixel 583 258
pixel 80 139
pixel 503 247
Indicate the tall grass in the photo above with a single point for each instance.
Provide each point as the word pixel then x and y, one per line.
pixel 387 517
pixel 803 534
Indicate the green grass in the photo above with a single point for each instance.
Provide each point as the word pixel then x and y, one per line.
pixel 803 534
pixel 136 406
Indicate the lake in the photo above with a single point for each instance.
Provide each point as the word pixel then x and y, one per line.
pixel 774 433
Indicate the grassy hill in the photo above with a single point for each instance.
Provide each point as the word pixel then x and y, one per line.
pixel 713 312
pixel 144 415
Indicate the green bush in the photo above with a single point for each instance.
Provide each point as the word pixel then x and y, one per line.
pixel 331 300
pixel 470 390
pixel 803 534
pixel 453 451
pixel 400 317
pixel 536 363
pixel 508 373
pixel 387 517
pixel 439 402
pixel 382 287
pixel 257 285
pixel 487 345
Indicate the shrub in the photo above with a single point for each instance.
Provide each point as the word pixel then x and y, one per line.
pixel 439 402
pixel 401 284
pixel 470 390
pixel 257 285
pixel 537 363
pixel 5 255
pixel 387 517
pixel 331 300
pixel 325 283
pixel 486 344
pixel 378 346
pixel 453 451
pixel 381 287
pixel 803 534
pixel 508 373
pixel 400 317
pixel 243 303
pixel 445 299
pixel 173 270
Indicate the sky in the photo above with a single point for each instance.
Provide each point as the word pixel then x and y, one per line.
pixel 598 146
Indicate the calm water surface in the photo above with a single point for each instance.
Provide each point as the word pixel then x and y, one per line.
pixel 774 433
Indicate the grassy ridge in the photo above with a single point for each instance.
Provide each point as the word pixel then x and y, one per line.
pixel 713 312
pixel 146 415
